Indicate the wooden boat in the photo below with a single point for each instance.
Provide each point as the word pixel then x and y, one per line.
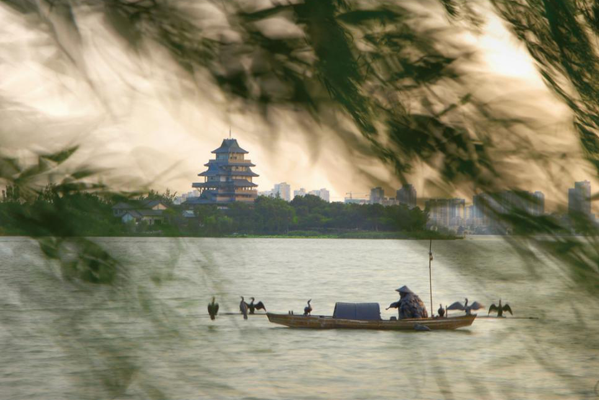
pixel 368 316
pixel 328 322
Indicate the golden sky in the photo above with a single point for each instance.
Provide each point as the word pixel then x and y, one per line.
pixel 135 117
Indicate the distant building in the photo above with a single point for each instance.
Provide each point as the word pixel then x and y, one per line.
pixel 283 190
pixel 489 208
pixel 266 193
pixel 301 192
pixel 350 200
pixel 449 213
pixel 322 193
pixel 470 212
pixel 376 196
pixel 228 177
pixel 538 206
pixel 407 195
pixel 438 210
pixel 390 201
pixel 148 211
pixel 184 196
pixel 580 198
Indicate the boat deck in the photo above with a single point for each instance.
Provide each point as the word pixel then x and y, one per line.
pixel 328 322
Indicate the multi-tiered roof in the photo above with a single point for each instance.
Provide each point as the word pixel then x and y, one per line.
pixel 228 177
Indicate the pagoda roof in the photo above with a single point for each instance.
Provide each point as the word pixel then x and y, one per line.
pixel 244 163
pixel 216 184
pixel 213 170
pixel 222 172
pixel 199 200
pixel 229 146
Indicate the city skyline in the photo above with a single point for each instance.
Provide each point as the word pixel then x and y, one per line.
pixel 556 200
pixel 578 198
pixel 229 162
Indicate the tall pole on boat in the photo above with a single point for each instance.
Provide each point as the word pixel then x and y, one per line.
pixel 430 289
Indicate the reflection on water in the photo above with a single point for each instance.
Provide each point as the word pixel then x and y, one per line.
pixel 151 336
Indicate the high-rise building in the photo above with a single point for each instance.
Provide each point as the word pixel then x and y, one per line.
pixel 470 212
pixel 266 193
pixel 490 207
pixel 538 206
pixel 228 177
pixel 438 212
pixel 322 193
pixel 283 190
pixel 407 195
pixel 446 212
pixel 580 198
pixel 376 196
pixel 350 200
pixel 301 192
pixel 456 212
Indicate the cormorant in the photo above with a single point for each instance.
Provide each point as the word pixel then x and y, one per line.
pixel 500 308
pixel 441 311
pixel 308 308
pixel 213 309
pixel 466 308
pixel 257 306
pixel 244 308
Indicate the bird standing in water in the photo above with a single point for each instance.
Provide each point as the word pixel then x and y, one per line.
pixel 257 306
pixel 500 309
pixel 244 308
pixel 213 309
pixel 308 308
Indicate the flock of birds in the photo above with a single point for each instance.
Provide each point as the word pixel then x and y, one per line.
pixel 467 308
pixel 245 308
pixel 249 308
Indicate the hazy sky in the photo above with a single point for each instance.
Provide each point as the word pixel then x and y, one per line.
pixel 136 118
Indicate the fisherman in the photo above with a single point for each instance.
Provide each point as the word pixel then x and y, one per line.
pixel 410 305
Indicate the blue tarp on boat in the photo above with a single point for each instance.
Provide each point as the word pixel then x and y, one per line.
pixel 359 311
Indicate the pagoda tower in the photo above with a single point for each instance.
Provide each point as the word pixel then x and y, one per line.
pixel 228 177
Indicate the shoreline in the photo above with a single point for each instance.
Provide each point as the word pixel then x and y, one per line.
pixel 253 236
pixel 324 236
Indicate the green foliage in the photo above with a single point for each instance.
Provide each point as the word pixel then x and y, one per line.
pixel 71 214
pixel 306 216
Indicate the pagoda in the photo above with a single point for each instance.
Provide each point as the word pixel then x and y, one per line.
pixel 228 177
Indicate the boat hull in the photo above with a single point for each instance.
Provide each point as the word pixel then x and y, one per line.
pixel 326 322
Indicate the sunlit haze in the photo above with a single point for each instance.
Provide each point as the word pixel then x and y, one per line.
pixel 137 116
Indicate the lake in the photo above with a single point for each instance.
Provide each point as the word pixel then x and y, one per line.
pixel 149 336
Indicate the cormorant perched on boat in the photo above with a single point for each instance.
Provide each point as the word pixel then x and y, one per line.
pixel 213 309
pixel 257 306
pixel 466 307
pixel 244 308
pixel 500 308
pixel 441 311
pixel 308 308
pixel 410 305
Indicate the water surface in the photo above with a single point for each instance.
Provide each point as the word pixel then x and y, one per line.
pixel 150 337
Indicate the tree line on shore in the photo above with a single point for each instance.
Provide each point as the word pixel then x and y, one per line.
pixel 309 214
pixel 74 213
